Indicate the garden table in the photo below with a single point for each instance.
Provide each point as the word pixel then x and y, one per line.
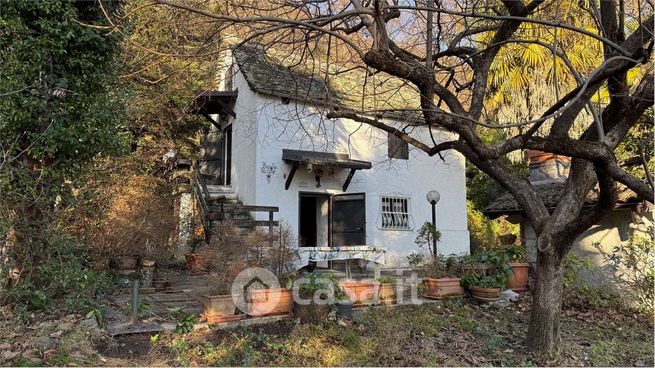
pixel 343 253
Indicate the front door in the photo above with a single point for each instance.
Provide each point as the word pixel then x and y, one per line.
pixel 348 219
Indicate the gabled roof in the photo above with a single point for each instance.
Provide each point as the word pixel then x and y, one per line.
pixel 352 89
pixel 271 78
pixel 550 194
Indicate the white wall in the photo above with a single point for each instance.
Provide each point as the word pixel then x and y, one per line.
pixel 294 126
pixel 244 138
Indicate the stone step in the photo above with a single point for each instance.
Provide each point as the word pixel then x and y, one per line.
pixel 219 189
pixel 252 223
pixel 223 196
pixel 238 216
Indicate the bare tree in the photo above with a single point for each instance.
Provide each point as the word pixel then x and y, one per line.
pixel 446 50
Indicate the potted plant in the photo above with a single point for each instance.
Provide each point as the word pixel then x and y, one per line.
pixel 316 292
pixel 486 288
pixel 227 259
pixel 486 283
pixel 518 280
pixel 270 302
pixel 276 253
pixel 387 292
pixel 344 306
pixel 198 257
pixel 440 275
pixel 360 292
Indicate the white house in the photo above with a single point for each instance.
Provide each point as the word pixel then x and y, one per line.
pixel 336 181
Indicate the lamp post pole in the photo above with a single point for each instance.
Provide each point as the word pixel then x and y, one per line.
pixel 433 197
pixel 434 225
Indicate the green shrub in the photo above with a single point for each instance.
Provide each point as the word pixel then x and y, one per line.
pixel 484 232
pixel 426 235
pixel 573 264
pixel 386 280
pixel 184 321
pixel 325 283
pixel 63 276
pixel 495 276
pixel 481 228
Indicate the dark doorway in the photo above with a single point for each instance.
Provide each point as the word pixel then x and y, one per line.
pixel 216 153
pixel 307 233
pixel 348 219
pixel 227 163
pixel 331 220
pixel 314 224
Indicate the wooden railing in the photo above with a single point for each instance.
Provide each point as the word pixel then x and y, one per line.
pixel 201 193
pixel 270 222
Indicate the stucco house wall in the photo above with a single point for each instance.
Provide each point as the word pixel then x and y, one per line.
pixel 616 227
pixel 244 140
pixel 265 125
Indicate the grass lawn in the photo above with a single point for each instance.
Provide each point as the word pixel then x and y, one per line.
pixel 449 334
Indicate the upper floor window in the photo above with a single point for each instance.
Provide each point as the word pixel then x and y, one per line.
pixel 395 213
pixel 398 148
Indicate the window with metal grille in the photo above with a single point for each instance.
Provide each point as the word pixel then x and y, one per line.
pixel 395 213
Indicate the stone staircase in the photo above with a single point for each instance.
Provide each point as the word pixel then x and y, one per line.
pixel 224 204
pixel 220 202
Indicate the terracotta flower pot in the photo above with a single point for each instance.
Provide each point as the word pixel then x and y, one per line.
pixel 219 308
pixel 518 280
pixel 387 293
pixel 485 294
pixel 360 292
pixel 196 263
pixel 270 302
pixel 439 288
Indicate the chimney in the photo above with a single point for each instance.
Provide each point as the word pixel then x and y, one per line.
pixel 548 167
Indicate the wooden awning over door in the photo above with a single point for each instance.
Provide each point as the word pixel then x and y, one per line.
pixel 340 160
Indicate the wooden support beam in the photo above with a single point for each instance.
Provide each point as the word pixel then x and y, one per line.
pixel 212 121
pixel 226 108
pixel 348 179
pixel 270 227
pixel 290 177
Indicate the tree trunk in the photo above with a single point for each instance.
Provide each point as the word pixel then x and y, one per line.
pixel 543 332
